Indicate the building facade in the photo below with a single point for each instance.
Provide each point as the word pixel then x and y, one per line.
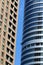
pixel 32 42
pixel 8 29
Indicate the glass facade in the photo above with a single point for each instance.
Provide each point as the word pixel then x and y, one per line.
pixel 32 41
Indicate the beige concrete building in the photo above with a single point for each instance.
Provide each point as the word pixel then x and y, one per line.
pixel 8 28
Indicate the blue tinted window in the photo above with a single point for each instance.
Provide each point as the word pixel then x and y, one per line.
pixel 32 24
pixel 33 19
pixel 33 10
pixel 31 38
pixel 32 33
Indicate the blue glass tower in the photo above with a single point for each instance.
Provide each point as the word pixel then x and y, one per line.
pixel 32 42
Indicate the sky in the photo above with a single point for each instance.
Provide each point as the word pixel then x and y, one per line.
pixel 19 33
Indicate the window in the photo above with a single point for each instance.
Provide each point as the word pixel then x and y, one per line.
pixel 7 50
pixel 0 23
pixel 12 40
pixel 2 54
pixel 2 4
pixel 11 60
pixel 4 27
pixel 2 47
pixel 15 9
pixel 4 33
pixel 12 47
pixel 5 20
pixel 12 6
pixel 1 61
pixel 37 49
pixel 6 8
pixel 8 43
pixel 11 11
pixel 13 33
pixel 15 4
pixel 1 16
pixel 2 10
pixel 12 1
pixel 15 15
pixel 0 30
pixel 9 30
pixel 14 21
pixel 6 14
pixel 7 2
pixel 14 28
pixel 37 54
pixel 9 36
pixel 7 57
pixel 10 24
pixel 37 59
pixel 7 63
pixel 10 17
pixel 3 40
pixel 11 53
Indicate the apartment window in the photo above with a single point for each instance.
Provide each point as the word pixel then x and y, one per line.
pixel 11 53
pixel 12 1
pixel 11 60
pixel 0 23
pixel 7 63
pixel 4 27
pixel 2 47
pixel 7 50
pixel 4 33
pixel 10 24
pixel 9 30
pixel 7 2
pixel 12 6
pixel 6 8
pixel 3 40
pixel 13 33
pixel 2 10
pixel 37 44
pixel 15 15
pixel 7 57
pixel 37 49
pixel 1 61
pixel 6 14
pixel 14 21
pixel 15 4
pixel 5 20
pixel 14 28
pixel 1 16
pixel 37 54
pixel 12 47
pixel 15 9
pixel 8 43
pixel 11 11
pixel 2 4
pixel 2 54
pixel 10 17
pixel 9 36
pixel 12 40
pixel 0 30
pixel 37 59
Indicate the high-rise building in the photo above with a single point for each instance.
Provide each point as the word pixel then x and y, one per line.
pixel 8 28
pixel 32 42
